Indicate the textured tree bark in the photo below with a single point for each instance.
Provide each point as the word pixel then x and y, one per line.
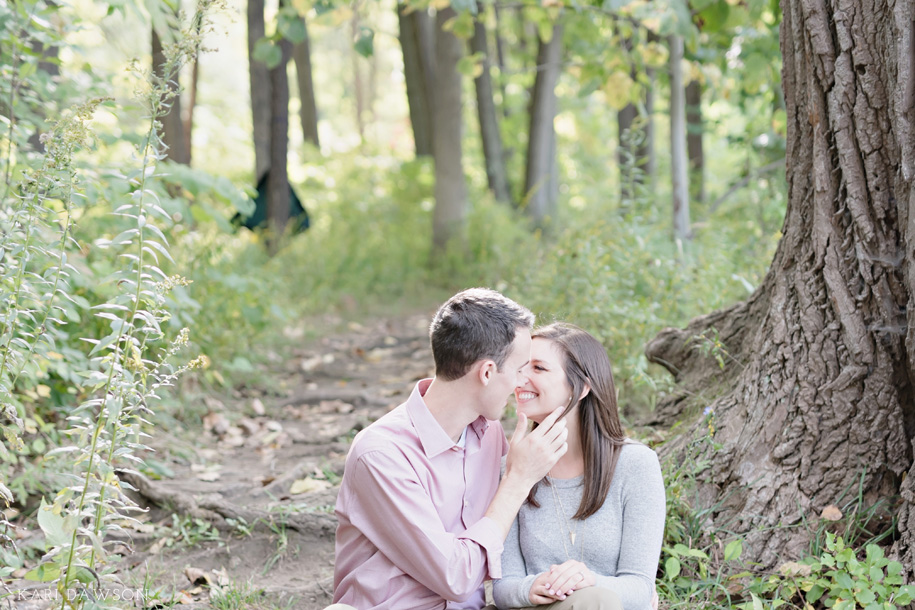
pixel 308 109
pixel 278 180
pixel 541 202
pixel 822 397
pixel 449 215
pixel 694 129
pixel 493 154
pixel 259 81
pixel 172 125
pixel 416 42
pixel 678 161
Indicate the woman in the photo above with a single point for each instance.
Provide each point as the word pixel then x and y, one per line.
pixel 590 534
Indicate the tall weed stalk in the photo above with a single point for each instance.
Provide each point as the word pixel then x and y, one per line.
pixel 130 365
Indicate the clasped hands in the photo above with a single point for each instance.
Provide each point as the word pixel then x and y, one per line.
pixel 560 582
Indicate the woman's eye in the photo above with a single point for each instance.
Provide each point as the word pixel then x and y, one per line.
pixel 538 368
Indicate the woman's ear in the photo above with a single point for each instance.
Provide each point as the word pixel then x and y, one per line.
pixel 584 392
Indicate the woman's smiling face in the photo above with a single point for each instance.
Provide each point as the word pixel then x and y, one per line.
pixel 547 386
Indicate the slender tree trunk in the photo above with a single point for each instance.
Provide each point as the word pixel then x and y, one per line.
pixel 493 154
pixel 259 81
pixel 694 129
pixel 678 161
pixel 308 109
pixel 500 62
pixel 636 150
pixel 817 394
pixel 541 203
pixel 416 43
pixel 358 85
pixel 172 125
pixel 188 118
pixel 278 202
pixel 449 215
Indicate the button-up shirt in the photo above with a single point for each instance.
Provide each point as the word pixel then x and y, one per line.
pixel 411 531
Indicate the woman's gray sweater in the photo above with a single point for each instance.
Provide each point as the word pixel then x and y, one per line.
pixel 620 543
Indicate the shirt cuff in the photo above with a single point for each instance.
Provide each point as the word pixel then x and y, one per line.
pixel 488 535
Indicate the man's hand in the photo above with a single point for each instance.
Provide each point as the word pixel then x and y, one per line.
pixel 531 455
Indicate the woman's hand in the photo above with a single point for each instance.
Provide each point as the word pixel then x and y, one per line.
pixel 568 577
pixel 540 590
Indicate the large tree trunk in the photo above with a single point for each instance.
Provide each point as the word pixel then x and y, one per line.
pixel 259 81
pixel 278 180
pixel 538 187
pixel 416 42
pixel 449 215
pixel 678 161
pixel 818 389
pixel 308 109
pixel 496 173
pixel 694 129
pixel 172 124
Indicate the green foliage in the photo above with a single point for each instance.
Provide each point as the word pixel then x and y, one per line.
pixel 839 578
pixel 189 532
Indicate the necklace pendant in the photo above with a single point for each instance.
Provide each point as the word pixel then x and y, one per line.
pixel 572 537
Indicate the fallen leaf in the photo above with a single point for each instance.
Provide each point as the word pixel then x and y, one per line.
pixel 20 573
pixel 157 546
pixel 222 577
pixel 185 599
pixel 216 423
pixel 306 485
pixel 196 576
pixel 792 569
pixel 310 364
pixel 831 513
pixel 257 406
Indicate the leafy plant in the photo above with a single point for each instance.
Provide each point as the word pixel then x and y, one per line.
pixel 838 578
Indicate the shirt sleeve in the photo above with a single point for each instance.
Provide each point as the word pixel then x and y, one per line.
pixel 398 516
pixel 514 588
pixel 644 509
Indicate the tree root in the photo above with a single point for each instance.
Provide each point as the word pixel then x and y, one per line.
pixel 216 510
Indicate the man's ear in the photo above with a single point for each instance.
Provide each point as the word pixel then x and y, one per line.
pixel 486 371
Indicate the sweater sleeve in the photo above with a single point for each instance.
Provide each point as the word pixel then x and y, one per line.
pixel 514 588
pixel 644 510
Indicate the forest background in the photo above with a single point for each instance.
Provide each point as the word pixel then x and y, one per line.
pixel 619 165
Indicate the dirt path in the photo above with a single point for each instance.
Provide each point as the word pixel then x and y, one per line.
pixel 247 512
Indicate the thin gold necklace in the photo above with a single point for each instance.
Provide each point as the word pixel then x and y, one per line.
pixel 561 516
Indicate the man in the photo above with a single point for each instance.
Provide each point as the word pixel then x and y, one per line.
pixel 422 513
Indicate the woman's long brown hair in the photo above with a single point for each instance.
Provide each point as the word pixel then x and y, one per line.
pixel 586 364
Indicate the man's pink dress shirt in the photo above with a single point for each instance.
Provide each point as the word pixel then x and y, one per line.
pixel 411 532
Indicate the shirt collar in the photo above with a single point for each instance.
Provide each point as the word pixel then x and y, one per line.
pixel 433 438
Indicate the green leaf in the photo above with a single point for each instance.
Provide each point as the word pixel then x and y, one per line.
pixel 672 568
pixel 865 596
pixel 46 572
pixel 874 553
pixel 267 52
pixel 876 574
pixel 291 26
pixel 757 603
pixel 733 550
pixel 815 593
pixel 53 525
pixel 845 581
pixel 365 42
